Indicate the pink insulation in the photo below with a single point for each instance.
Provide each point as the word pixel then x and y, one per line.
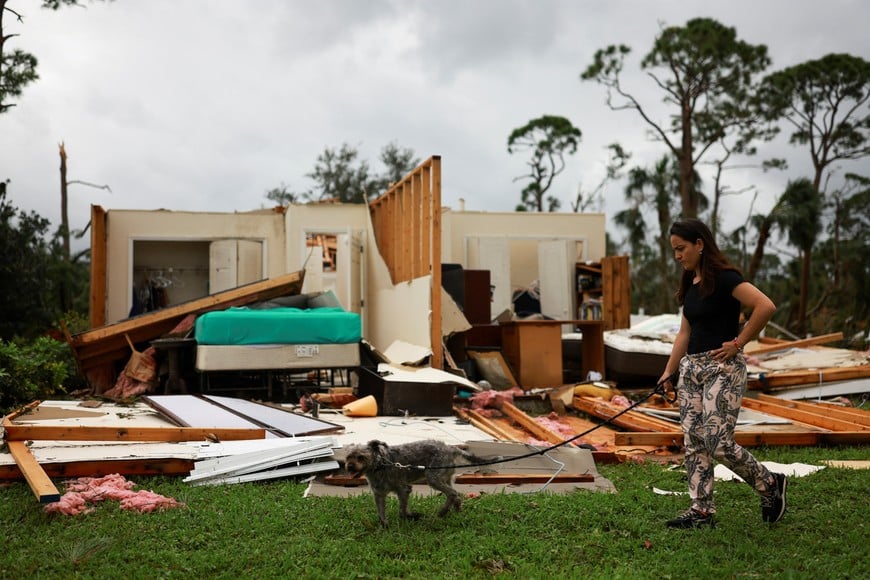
pixel 487 402
pixel 83 492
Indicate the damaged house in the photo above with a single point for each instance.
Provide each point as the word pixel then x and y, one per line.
pixel 404 264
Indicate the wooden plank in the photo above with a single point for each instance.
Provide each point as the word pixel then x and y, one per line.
pixel 519 478
pixel 530 424
pixel 37 479
pixel 795 414
pixel 753 439
pixel 632 420
pixel 99 261
pixel 809 377
pixel 849 413
pixel 141 466
pixel 479 479
pixel 434 260
pixel 814 340
pixel 484 424
pixel 84 433
pixel 856 417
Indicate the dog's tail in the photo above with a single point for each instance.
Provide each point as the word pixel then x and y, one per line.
pixel 472 459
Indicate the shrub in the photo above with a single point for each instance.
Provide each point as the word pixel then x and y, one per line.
pixel 33 370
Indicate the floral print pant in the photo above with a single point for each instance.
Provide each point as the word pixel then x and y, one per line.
pixel 709 395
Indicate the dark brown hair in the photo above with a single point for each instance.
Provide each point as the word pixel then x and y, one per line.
pixel 712 259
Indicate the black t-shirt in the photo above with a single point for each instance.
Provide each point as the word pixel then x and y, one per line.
pixel 716 318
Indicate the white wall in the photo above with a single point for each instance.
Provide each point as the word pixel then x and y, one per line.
pixel 457 226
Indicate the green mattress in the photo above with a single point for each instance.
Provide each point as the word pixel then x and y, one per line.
pixel 278 326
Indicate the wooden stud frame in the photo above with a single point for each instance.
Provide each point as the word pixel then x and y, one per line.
pixel 407 227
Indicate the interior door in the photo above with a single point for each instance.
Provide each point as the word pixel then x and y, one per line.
pixel 493 254
pixel 348 287
pixel 223 259
pixel 249 262
pixel 556 260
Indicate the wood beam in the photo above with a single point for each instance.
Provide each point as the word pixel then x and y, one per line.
pixel 157 466
pixel 484 424
pixel 530 424
pixel 163 434
pixel 857 417
pixel 808 417
pixel 815 340
pixel 39 482
pixel 754 439
pixel 633 420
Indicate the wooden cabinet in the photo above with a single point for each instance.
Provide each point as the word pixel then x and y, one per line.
pixel 604 291
pixel 533 349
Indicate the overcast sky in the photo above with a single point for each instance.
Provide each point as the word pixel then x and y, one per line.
pixel 206 105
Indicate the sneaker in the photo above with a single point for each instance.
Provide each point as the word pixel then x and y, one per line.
pixel 773 504
pixel 692 518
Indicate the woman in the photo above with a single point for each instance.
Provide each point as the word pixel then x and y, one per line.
pixel 708 354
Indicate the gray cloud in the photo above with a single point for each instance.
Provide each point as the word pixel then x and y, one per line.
pixel 195 105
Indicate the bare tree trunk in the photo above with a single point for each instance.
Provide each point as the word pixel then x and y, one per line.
pixel 687 170
pixel 64 217
pixel 805 291
pixel 763 235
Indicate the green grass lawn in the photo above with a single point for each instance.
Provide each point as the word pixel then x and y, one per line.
pixel 269 530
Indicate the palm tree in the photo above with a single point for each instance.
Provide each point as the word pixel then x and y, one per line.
pixel 801 216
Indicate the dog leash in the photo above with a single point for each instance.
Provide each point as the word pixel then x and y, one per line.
pixel 658 389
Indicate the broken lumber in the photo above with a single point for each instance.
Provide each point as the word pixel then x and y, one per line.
pixel 633 420
pixel 847 413
pixel 754 438
pixel 484 424
pixel 479 479
pixel 816 418
pixel 163 434
pixel 530 424
pixel 781 379
pixel 814 340
pixel 39 482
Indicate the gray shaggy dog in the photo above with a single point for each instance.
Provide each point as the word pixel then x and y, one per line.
pixel 394 468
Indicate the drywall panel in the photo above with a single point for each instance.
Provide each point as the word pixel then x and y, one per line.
pixel 400 312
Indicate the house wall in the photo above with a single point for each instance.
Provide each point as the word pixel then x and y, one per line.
pixel 124 227
pixel 458 226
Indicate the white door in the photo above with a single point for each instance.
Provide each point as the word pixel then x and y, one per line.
pixel 249 262
pixel 556 260
pixel 493 254
pixel 222 265
pixel 348 287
